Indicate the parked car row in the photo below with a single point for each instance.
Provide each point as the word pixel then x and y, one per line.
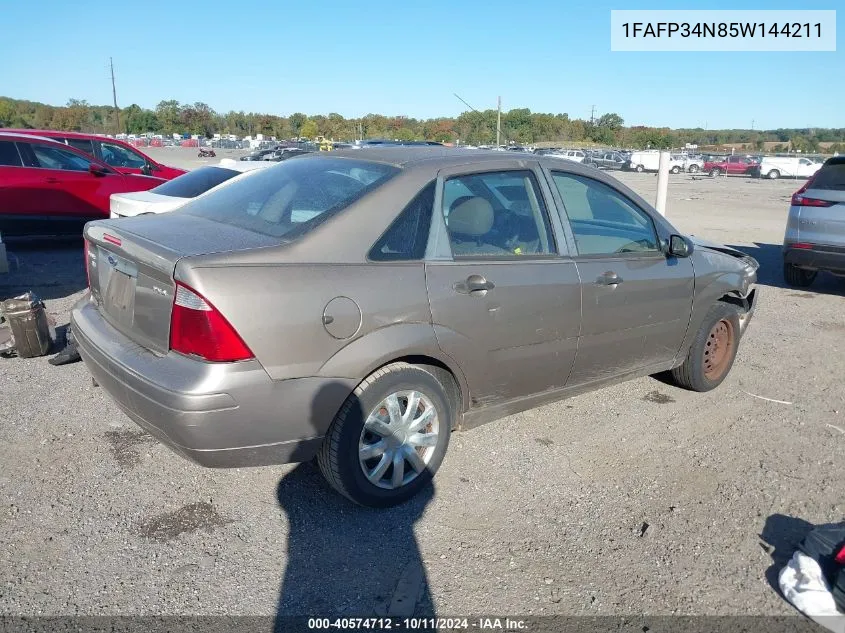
pixel 771 167
pixel 358 306
pixel 601 159
pixel 279 152
pixel 49 188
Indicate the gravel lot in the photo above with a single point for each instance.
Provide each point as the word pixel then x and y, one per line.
pixel 640 498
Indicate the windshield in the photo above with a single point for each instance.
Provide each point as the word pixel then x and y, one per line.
pixel 289 199
pixel 195 182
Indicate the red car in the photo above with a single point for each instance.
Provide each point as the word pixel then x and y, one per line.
pixel 122 156
pixel 51 189
pixel 731 165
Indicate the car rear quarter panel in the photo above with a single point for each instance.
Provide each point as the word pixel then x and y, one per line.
pixel 279 311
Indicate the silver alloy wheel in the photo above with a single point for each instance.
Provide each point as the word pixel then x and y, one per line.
pixel 401 431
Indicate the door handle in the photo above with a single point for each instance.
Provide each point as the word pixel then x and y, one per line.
pixel 474 285
pixel 52 181
pixel 609 278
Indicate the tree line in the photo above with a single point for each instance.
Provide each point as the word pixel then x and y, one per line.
pixel 520 125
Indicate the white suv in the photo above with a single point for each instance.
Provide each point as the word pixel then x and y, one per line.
pixel 815 231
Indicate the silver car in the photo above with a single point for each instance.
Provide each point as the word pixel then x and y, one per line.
pixel 359 306
pixel 815 231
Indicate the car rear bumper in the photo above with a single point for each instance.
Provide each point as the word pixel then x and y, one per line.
pixel 819 257
pixel 219 415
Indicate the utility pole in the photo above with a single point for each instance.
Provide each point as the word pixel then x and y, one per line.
pixel 114 95
pixel 593 115
pixel 752 125
pixel 499 123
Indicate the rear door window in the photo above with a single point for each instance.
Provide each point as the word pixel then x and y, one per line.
pixel 119 156
pixel 9 156
pixel 293 197
pixel 50 157
pixel 195 182
pixel 503 216
pixel 81 144
pixel 831 176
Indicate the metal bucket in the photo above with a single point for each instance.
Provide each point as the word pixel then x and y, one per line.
pixel 27 320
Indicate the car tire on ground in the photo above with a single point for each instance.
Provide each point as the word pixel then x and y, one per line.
pixel 693 169
pixel 715 172
pixel 798 277
pixel 640 168
pixel 773 174
pixel 713 350
pixel 675 169
pixel 375 452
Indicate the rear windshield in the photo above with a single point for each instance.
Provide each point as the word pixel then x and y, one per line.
pixel 831 176
pixel 291 198
pixel 195 182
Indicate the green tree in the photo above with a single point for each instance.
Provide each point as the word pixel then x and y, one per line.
pixel 611 121
pixel 297 120
pixel 169 118
pixel 601 134
pixel 308 129
pixel 78 115
pixel 7 113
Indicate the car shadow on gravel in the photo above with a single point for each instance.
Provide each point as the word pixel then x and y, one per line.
pixel 344 560
pixel 50 270
pixel 780 538
pixel 770 257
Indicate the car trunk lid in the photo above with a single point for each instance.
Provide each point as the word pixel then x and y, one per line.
pixel 131 263
pixel 821 219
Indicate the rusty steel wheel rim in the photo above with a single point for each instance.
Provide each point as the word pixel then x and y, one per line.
pixel 718 349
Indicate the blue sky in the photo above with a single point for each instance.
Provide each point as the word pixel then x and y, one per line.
pixel 408 58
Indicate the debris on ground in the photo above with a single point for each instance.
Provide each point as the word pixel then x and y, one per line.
pixel 29 328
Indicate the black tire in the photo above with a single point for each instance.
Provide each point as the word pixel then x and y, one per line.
pixel 640 169
pixel 715 172
pixel 338 455
pixel 798 277
pixel 693 169
pixel 675 169
pixel 695 373
pixel 773 174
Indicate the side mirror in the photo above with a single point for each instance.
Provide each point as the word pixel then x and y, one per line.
pixel 679 247
pixel 97 170
pixel 147 169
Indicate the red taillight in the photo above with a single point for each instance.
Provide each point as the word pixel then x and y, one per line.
pixel 798 199
pixel 197 328
pixel 111 239
pixel 801 201
pixel 85 262
pixel 801 245
pixel 840 556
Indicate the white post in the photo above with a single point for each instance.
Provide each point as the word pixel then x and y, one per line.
pixel 662 183
pixel 4 261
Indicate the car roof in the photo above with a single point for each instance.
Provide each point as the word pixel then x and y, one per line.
pixel 241 165
pixel 77 135
pixel 61 133
pixel 21 136
pixel 430 155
